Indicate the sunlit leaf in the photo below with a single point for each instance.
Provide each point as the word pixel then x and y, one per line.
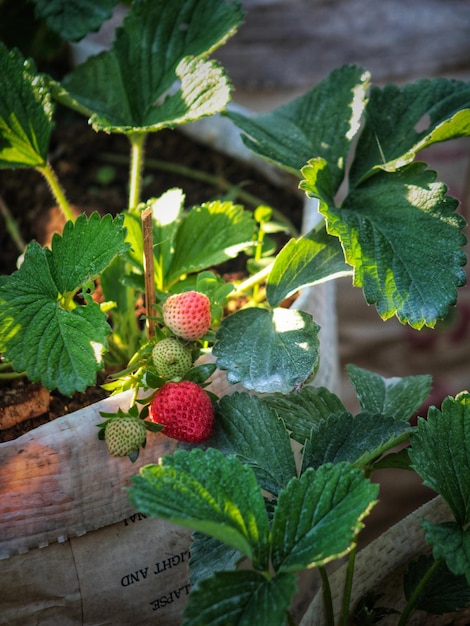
pixel 267 351
pixel 401 234
pixel 44 332
pixel 402 120
pixel 126 88
pixel 303 262
pixel 321 123
pixel 25 112
pixel 318 516
pixel 208 492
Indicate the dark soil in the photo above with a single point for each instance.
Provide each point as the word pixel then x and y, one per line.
pixel 92 168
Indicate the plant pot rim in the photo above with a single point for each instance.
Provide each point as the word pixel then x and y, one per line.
pixel 59 481
pixel 391 551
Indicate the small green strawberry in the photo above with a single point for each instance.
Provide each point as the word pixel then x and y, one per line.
pixel 187 314
pixel 124 435
pixel 171 359
pixel 185 410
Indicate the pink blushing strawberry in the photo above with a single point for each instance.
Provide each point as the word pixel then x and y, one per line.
pixel 187 314
pixel 185 411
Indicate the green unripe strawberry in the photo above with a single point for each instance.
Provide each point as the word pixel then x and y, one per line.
pixel 171 358
pixel 124 435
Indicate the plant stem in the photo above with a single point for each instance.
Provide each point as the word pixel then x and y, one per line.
pixel 56 190
pixel 250 282
pixel 137 162
pixel 411 604
pixel 257 257
pixel 348 583
pixel 327 599
pixel 12 226
pixel 11 375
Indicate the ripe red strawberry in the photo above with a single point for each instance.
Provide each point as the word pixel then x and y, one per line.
pixel 123 435
pixel 187 314
pixel 185 411
pixel 171 358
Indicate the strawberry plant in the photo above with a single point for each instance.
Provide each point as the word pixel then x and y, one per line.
pixel 385 220
pixel 248 501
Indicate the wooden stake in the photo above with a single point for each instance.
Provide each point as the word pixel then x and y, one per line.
pixel 148 268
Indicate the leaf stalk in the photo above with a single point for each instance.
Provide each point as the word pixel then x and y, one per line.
pixel 413 599
pixel 327 599
pixel 12 226
pixel 57 191
pixel 137 163
pixel 11 375
pixel 250 282
pixel 348 586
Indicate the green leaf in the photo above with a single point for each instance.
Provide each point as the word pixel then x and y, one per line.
pixel 401 234
pixel 241 598
pixel 358 440
pixel 267 351
pixel 321 123
pixel 85 248
pixel 115 290
pixel 391 397
pixel 451 543
pixel 309 260
pixel 444 593
pixel 208 235
pixel 210 493
pixel 217 290
pixel 61 348
pixel 26 112
pixel 318 516
pixel 318 183
pixel 204 90
pixel 73 19
pixel 44 332
pixel 392 136
pixel 303 411
pixel 209 555
pixel 200 373
pixel 126 88
pixel 440 453
pixel 248 427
